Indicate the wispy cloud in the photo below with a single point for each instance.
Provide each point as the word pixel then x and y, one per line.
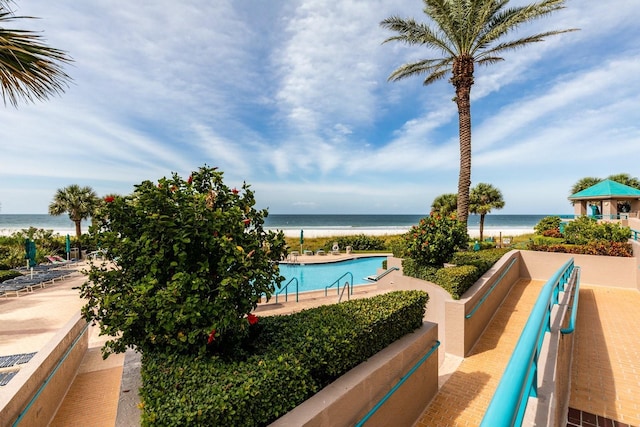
pixel 293 98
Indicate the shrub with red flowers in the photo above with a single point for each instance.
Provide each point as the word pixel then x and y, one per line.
pixel 187 262
pixel 435 239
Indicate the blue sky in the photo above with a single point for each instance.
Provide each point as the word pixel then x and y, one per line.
pixel 292 97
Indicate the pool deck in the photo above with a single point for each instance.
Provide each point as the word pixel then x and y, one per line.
pixel 605 372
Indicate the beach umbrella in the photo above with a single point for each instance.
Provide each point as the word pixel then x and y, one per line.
pixel 30 252
pixel 67 243
pixel 301 240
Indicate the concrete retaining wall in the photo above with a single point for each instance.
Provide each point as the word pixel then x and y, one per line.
pixel 348 399
pixel 462 333
pixel 34 394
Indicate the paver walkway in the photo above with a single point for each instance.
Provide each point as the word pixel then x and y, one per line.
pixel 605 377
pixel 464 398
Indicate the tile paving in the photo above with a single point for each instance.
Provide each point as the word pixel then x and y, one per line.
pixel 605 382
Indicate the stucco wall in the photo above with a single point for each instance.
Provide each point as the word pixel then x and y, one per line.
pixel 37 390
pixel 616 272
pixel 348 399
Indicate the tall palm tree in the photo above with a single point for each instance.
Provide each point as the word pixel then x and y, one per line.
pixel 463 33
pixel 482 198
pixel 28 68
pixel 79 202
pixel 445 204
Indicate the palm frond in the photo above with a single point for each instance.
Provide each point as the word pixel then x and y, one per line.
pixel 28 68
pixel 434 68
pixel 413 33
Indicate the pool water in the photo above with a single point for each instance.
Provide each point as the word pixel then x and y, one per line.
pixel 314 277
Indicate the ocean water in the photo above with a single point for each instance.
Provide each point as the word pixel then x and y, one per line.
pixel 10 223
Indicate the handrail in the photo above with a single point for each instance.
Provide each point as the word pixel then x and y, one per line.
pixel 337 282
pixel 574 308
pixel 381 275
pixel 346 286
pixel 398 384
pixel 47 380
pixel 284 288
pixel 486 295
pixel 519 380
pixel 636 234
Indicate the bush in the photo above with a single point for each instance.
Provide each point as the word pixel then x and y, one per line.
pixel 359 242
pixel 435 239
pixel 604 248
pixel 548 224
pixel 295 355
pixel 9 274
pixel 411 268
pixel 457 280
pixel 192 260
pixel 584 229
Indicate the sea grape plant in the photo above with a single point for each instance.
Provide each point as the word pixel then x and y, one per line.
pixel 187 260
pixel 435 239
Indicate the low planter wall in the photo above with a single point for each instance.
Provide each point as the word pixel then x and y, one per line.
pixel 348 399
pixel 34 394
pixel 467 318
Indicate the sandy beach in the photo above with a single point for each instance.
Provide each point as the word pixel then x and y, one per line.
pixel 473 232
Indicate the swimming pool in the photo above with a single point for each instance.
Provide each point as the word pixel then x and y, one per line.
pixel 315 277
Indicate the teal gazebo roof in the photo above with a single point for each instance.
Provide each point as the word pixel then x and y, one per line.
pixel 607 189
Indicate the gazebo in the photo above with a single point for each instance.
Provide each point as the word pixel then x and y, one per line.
pixel 607 200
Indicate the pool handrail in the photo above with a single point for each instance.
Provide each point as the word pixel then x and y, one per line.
pixel 337 284
pixel 397 385
pixel 574 307
pixel 519 380
pixel 284 288
pixel 486 295
pixel 381 275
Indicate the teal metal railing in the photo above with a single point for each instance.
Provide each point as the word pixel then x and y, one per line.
pixel 285 287
pixel 574 307
pixel 520 378
pixel 486 295
pixel 635 234
pixel 397 386
pixel 50 376
pixel 337 284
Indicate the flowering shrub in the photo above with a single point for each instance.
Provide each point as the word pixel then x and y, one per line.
pixel 585 229
pixel 548 224
pixel 435 239
pixel 189 261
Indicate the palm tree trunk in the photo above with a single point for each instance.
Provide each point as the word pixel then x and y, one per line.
pixel 463 80
pixel 481 226
pixel 78 229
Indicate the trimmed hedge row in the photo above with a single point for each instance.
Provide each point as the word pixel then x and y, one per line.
pixel 469 267
pixel 604 248
pixel 294 357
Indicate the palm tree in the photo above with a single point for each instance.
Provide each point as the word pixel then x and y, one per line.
pixel 28 68
pixel 626 179
pixel 482 198
pixel 79 202
pixel 445 204
pixel 464 33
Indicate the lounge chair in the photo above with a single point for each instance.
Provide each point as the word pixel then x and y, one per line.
pixel 335 249
pixel 320 252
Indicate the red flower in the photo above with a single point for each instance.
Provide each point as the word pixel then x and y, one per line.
pixel 235 191
pixel 109 199
pixel 246 221
pixel 212 336
pixel 252 318
pixel 190 180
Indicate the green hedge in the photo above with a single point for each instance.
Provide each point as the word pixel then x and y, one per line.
pixel 293 357
pixel 456 280
pixel 9 274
